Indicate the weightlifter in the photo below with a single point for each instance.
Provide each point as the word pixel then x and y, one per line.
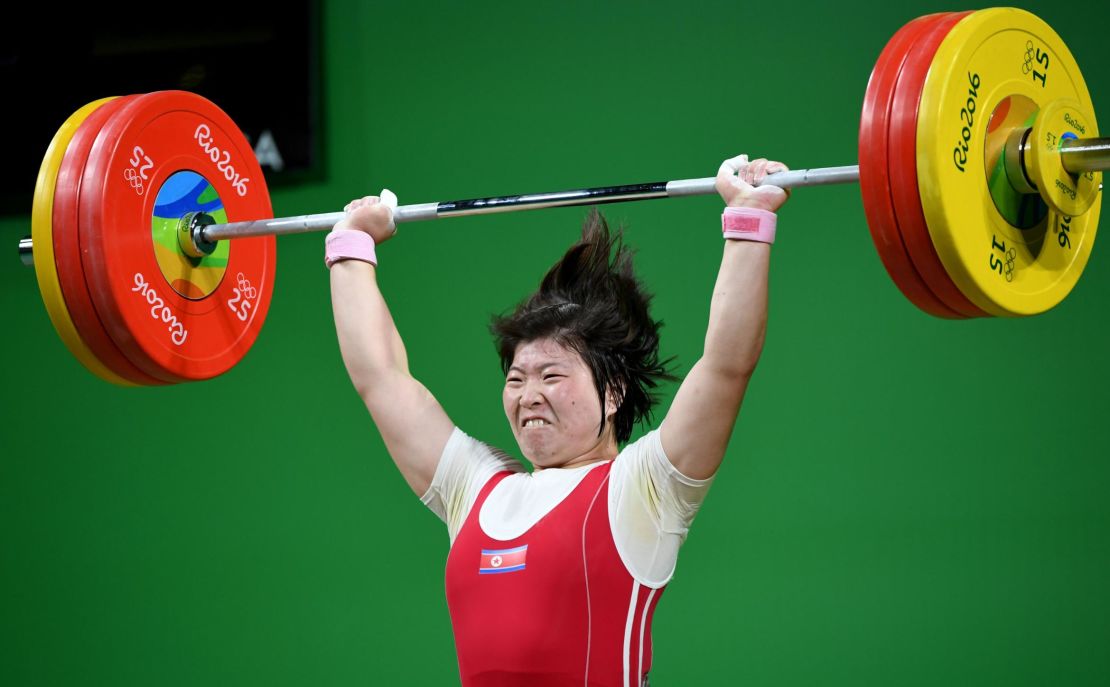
pixel 571 558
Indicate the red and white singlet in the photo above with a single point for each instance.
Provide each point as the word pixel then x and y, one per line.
pixel 553 576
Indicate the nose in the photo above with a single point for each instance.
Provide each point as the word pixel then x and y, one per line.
pixel 530 395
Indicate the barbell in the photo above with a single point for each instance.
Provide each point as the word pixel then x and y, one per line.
pixel 979 166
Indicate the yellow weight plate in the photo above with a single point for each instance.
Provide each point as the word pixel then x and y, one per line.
pixel 988 61
pixel 42 239
pixel 1058 121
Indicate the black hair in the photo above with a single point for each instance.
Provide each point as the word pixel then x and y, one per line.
pixel 591 302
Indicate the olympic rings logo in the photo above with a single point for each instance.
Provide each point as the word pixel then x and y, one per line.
pixel 1011 257
pixel 245 293
pixel 245 288
pixel 135 179
pixel 136 174
pixel 1029 54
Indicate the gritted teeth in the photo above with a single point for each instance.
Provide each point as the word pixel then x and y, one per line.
pixel 535 422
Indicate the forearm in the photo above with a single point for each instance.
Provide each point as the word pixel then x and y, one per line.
pixel 699 423
pixel 413 425
pixel 368 339
pixel 738 310
pixel 698 426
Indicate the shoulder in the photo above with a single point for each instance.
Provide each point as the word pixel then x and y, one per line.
pixel 463 447
pixel 465 466
pixel 651 508
pixel 645 457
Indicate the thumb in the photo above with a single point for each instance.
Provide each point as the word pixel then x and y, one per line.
pixel 389 199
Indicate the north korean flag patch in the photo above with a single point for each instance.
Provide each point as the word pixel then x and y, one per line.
pixel 496 561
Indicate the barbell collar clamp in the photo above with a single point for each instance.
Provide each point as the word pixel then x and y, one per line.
pixel 191 235
pixel 1014 157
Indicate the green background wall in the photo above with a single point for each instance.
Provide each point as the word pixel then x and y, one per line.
pixel 905 500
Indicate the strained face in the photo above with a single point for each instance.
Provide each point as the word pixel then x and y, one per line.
pixel 551 403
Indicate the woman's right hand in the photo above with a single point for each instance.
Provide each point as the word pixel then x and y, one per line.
pixel 373 215
pixel 739 183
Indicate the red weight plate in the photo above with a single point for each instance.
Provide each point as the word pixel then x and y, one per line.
pixel 167 326
pixel 902 162
pixel 874 180
pixel 67 251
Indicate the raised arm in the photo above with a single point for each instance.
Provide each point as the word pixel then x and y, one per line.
pixel 413 425
pixel 699 423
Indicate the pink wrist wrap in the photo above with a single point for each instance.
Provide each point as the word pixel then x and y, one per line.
pixel 349 244
pixel 749 224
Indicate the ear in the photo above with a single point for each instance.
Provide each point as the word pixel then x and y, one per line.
pixel 613 399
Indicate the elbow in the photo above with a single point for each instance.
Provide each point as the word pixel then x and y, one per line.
pixel 731 370
pixel 734 362
pixel 737 371
pixel 366 380
pixel 377 387
pixel 364 389
pixel 745 364
pixel 372 396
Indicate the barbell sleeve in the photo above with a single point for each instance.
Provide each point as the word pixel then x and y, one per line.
pixel 1079 155
pixel 25 251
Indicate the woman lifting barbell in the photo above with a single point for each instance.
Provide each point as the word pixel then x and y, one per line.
pixel 570 559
